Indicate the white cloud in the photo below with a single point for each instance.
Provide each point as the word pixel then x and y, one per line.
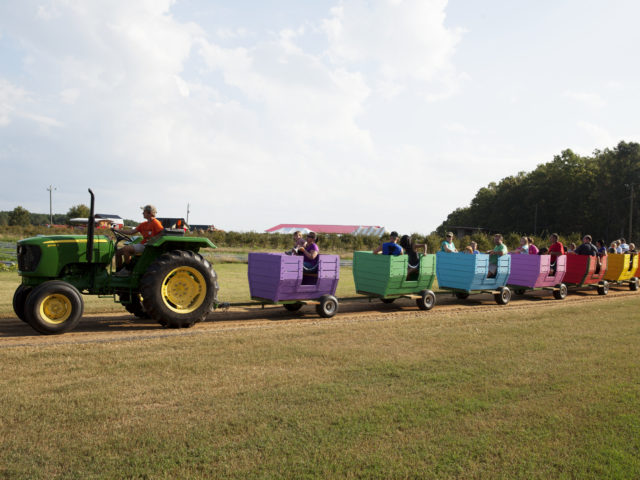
pixel 598 135
pixel 405 42
pixel 589 99
pixel 250 135
pixel 10 96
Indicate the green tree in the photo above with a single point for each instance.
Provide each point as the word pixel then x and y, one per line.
pixel 78 211
pixel 19 216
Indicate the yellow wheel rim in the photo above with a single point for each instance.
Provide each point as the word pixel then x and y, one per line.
pixel 184 290
pixel 55 308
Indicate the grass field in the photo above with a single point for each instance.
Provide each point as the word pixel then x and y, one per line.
pixel 553 393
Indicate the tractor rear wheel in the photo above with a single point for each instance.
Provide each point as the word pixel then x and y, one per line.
pixel 54 307
pixel 179 289
pixel 20 299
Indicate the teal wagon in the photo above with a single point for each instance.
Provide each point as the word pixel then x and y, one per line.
pixel 466 274
pixel 385 277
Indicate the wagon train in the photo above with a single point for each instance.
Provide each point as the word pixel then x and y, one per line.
pixel 174 285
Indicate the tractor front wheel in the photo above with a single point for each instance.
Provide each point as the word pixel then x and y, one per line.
pixel 54 307
pixel 20 299
pixel 179 289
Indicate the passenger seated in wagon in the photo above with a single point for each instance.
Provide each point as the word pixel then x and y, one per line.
pixel 447 244
pixel 588 248
pixel 499 250
pixel 391 247
pixel 414 259
pixel 555 250
pixel 310 252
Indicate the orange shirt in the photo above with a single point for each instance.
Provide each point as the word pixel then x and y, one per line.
pixel 149 229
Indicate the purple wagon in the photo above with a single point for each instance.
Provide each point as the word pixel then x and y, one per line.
pixel 529 272
pixel 280 278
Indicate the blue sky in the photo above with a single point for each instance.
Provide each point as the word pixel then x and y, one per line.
pixel 378 112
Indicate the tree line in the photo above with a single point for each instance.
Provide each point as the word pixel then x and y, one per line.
pixel 21 217
pixel 572 194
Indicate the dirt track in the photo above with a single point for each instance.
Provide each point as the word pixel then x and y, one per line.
pixel 106 328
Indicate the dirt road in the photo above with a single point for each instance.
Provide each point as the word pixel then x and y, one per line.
pixel 106 328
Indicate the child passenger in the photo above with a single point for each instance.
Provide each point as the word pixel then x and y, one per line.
pixel 298 242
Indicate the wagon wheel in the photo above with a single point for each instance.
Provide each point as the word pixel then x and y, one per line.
pixel 503 297
pixel 633 284
pixel 293 307
pixel 427 300
pixel 328 306
pixel 561 292
pixel 461 295
pixel 603 288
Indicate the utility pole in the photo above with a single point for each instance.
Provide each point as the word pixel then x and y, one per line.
pixel 187 214
pixel 51 189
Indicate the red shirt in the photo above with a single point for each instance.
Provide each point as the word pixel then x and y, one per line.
pixel 557 247
pixel 149 229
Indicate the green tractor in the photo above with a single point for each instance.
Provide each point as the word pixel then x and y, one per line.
pixel 170 282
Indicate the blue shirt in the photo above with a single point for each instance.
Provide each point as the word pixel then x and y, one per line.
pixel 391 248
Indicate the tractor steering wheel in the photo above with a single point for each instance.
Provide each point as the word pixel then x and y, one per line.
pixel 120 236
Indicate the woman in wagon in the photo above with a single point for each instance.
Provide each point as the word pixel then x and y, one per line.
pixel 310 252
pixel 524 246
pixel 602 250
pixel 533 250
pixel 410 249
pixel 447 244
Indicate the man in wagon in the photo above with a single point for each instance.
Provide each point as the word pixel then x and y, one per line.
pixel 587 248
pixel 499 250
pixel 391 247
pixel 555 250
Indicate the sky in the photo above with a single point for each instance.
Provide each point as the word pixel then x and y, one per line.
pixel 253 113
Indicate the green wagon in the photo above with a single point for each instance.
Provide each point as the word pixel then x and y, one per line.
pixel 385 277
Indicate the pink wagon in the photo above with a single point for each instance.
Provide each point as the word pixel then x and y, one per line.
pixel 533 272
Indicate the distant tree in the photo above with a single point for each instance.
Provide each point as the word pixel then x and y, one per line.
pixel 4 218
pixel 20 216
pixel 78 211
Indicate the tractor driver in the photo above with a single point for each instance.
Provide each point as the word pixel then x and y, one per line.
pixel 148 229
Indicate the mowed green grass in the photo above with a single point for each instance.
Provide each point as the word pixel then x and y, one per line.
pixel 552 393
pixel 232 280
